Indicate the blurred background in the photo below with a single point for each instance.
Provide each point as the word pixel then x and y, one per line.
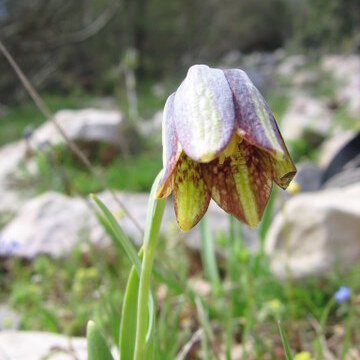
pixel 104 69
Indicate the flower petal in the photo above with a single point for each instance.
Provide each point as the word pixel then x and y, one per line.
pixel 242 184
pixel 171 149
pixel 204 113
pixel 191 195
pixel 254 119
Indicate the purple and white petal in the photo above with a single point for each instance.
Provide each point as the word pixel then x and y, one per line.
pixel 204 113
pixel 254 119
pixel 171 149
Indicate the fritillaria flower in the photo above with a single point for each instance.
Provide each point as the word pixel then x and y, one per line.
pixel 221 141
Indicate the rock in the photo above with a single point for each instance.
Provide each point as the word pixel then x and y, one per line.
pixel 232 59
pixel 51 224
pixel 314 233
pixel 33 345
pixel 152 128
pixel 54 224
pixel 305 78
pixel 346 71
pixel 88 125
pixel 306 117
pixel 137 205
pixel 11 156
pixel 344 178
pixel 308 177
pixel 291 64
pixel 9 319
pixel 332 146
pixel 340 158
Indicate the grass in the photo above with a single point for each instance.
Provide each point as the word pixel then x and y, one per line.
pixel 57 169
pixel 60 295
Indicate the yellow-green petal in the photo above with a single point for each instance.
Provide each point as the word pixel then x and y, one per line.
pixel 283 170
pixel 242 184
pixel 191 195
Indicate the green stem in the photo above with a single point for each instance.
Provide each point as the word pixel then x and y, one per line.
pixel 153 221
pixel 208 257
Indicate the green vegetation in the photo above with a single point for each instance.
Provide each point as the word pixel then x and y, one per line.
pixel 58 170
pixel 60 295
pixel 17 118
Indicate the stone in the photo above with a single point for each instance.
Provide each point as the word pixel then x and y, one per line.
pixel 315 233
pixel 305 78
pixel 151 129
pixel 340 158
pixel 51 224
pixel 9 319
pixel 291 64
pixel 345 69
pixel 54 224
pixel 11 156
pixel 308 177
pixel 306 117
pixel 35 345
pixel 333 145
pixel 86 125
pixel 137 205
pixel 343 179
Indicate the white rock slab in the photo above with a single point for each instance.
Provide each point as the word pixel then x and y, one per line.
pixel 305 114
pixel 346 71
pixel 316 232
pixel 33 345
pixel 54 224
pixel 82 125
pixel 50 223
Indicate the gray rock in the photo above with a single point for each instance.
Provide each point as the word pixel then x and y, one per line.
pixel 54 224
pixel 9 319
pixel 346 71
pixel 50 223
pixel 333 145
pixel 308 177
pixel 11 156
pixel 152 128
pixel 232 59
pixel 137 205
pixel 87 125
pixel 305 78
pixel 33 345
pixel 306 116
pixel 291 64
pixel 314 233
pixel 344 178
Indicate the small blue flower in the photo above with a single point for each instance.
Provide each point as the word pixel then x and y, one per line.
pixel 343 294
pixel 8 248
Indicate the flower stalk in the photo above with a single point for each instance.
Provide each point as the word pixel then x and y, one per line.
pixel 153 221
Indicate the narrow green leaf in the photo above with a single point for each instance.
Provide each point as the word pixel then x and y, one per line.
pixel 96 344
pixel 208 256
pixel 285 343
pixel 128 318
pixel 205 324
pixel 346 343
pixel 119 237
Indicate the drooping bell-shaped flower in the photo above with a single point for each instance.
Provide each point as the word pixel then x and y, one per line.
pixel 221 141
